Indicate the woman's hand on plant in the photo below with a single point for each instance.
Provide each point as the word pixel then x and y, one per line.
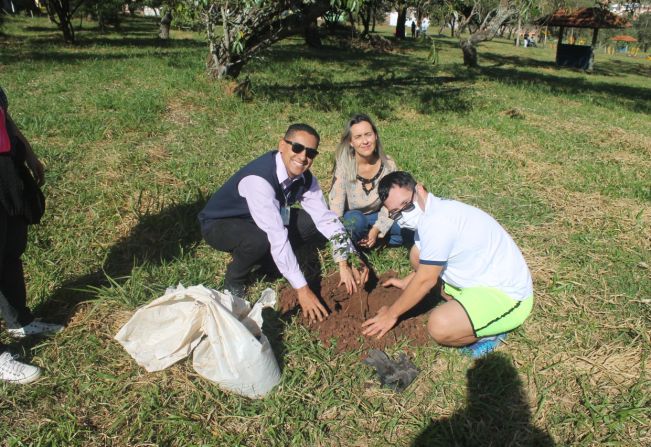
pixel 370 240
pixel 361 274
pixel 347 277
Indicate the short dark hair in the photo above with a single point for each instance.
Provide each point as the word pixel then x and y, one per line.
pixel 302 127
pixel 400 179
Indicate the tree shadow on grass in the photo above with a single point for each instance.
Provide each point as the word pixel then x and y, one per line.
pixel 496 413
pixel 517 61
pixel 128 25
pixel 273 327
pixel 619 67
pixel 175 58
pixel 139 42
pixel 157 238
pixel 604 68
pixel 385 83
pixel 636 99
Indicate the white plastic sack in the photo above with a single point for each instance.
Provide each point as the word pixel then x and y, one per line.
pixel 224 332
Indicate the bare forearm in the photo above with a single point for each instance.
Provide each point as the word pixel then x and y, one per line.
pixel 416 289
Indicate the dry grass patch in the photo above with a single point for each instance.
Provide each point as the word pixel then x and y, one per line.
pixel 179 111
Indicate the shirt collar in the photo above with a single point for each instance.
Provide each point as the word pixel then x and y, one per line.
pixel 281 172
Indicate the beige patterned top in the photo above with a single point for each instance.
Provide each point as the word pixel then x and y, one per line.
pixel 346 196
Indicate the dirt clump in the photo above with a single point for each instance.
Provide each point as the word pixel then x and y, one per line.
pixel 348 312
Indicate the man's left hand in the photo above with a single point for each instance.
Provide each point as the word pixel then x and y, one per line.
pixel 380 324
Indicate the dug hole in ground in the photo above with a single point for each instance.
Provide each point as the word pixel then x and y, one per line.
pixel 343 327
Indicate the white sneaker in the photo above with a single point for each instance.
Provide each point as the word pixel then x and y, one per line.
pixel 35 328
pixel 13 371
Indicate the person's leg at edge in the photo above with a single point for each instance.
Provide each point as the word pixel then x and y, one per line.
pixel 13 241
pixel 477 318
pixel 247 244
pixel 13 294
pixel 13 371
pixel 449 325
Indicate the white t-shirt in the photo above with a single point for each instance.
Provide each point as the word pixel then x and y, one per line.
pixel 472 247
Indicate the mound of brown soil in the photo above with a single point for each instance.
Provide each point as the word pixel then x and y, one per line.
pixel 348 312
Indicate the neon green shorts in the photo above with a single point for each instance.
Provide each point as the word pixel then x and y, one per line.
pixel 490 310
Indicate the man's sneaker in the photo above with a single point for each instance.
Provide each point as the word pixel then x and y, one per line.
pixel 35 328
pixel 13 371
pixel 483 346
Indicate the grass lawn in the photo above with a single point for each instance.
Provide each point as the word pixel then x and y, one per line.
pixel 136 137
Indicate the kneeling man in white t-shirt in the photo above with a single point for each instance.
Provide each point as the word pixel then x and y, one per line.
pixel 487 284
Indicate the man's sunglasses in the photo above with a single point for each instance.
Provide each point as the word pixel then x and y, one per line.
pixel 395 215
pixel 297 148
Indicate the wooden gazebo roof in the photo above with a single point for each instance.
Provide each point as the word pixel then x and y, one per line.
pixel 624 38
pixel 583 18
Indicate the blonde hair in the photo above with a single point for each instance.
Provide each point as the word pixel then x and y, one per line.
pixel 345 155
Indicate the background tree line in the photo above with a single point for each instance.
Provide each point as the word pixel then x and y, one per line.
pixel 237 30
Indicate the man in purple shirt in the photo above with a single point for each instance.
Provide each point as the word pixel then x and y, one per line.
pixel 251 216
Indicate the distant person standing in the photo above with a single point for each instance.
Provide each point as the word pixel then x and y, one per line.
pixel 413 29
pixel 18 193
pixel 424 26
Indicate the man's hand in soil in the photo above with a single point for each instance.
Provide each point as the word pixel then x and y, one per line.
pixel 310 304
pixel 380 324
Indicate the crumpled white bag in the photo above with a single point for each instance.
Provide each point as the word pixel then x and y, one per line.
pixel 224 332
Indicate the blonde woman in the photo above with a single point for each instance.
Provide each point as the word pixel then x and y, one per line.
pixel 360 163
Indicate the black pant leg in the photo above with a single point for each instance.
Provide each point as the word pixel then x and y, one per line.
pixel 13 241
pixel 306 241
pixel 302 229
pixel 247 243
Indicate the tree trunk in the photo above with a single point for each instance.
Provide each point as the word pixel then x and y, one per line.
pixel 353 25
pixel 311 34
pixel 487 31
pixel 165 24
pixel 68 32
pixel 365 15
pixel 374 18
pixel 61 13
pixel 222 64
pixel 400 26
pixel 452 26
pixel 469 53
pixel 517 36
pixel 236 34
pixel 31 7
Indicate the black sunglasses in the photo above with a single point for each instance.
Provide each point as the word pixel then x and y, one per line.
pixel 395 215
pixel 297 148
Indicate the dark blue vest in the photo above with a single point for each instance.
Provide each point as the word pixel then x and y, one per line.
pixel 227 202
